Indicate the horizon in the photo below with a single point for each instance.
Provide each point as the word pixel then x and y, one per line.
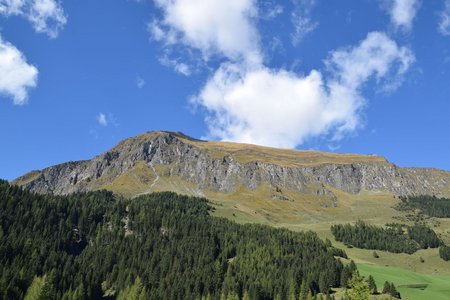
pixel 357 77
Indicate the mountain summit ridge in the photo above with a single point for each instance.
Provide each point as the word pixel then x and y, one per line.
pixel 165 160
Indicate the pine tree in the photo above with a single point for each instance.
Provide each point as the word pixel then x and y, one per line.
pixel 324 283
pixel 386 288
pixel 291 291
pixel 393 291
pixel 346 274
pixel 246 295
pixel 48 291
pixel 372 285
pixel 359 288
pixel 35 289
pixel 304 290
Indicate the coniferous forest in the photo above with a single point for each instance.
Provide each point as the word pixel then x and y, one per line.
pixel 393 238
pixel 429 205
pixel 158 246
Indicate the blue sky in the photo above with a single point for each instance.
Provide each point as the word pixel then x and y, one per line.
pixel 356 76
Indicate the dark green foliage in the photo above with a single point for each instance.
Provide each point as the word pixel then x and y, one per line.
pixel 390 289
pixel 366 236
pixel 162 245
pixel 424 236
pixel 372 285
pixel 444 252
pixel 429 205
pixel 392 238
pixel 347 273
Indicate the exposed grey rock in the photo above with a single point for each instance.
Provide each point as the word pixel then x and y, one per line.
pixel 225 174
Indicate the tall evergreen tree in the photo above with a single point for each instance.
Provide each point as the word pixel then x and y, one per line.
pixel 304 291
pixel 359 288
pixel 372 285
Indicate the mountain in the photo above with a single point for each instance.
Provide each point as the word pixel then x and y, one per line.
pixel 160 159
pixel 298 190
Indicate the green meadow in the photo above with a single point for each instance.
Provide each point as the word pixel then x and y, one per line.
pixel 411 285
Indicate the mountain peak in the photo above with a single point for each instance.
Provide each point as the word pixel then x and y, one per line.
pixel 167 160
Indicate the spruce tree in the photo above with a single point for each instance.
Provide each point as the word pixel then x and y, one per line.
pixel 372 285
pixel 359 288
pixel 304 290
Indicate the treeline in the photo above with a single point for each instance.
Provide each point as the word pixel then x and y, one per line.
pixel 392 238
pixel 429 205
pixel 158 246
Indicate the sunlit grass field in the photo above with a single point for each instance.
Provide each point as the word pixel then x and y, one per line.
pixel 411 285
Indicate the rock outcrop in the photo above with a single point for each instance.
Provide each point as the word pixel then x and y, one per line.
pixel 223 167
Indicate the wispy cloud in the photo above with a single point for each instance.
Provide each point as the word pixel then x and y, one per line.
pixel 301 20
pixel 178 66
pixel 101 119
pixel 16 75
pixel 140 82
pixel 302 26
pixel 269 9
pixel 444 19
pixel 46 16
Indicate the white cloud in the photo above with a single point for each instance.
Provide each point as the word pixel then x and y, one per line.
pixel 11 7
pixel 16 75
pixel 444 19
pixel 247 101
pixel 376 55
pixel 302 26
pixel 301 20
pixel 402 12
pixel 46 16
pixel 282 109
pixel 269 9
pixel 214 27
pixel 179 67
pixel 101 119
pixel 274 11
pixel 140 82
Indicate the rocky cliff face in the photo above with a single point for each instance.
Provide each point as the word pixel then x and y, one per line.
pixel 223 167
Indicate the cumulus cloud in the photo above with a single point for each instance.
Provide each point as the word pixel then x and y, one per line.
pixel 46 16
pixel 444 19
pixel 282 109
pixel 16 75
pixel 402 12
pixel 247 101
pixel 101 119
pixel 214 27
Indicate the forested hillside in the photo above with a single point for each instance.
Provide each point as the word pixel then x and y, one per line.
pixel 429 205
pixel 161 246
pixel 393 238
